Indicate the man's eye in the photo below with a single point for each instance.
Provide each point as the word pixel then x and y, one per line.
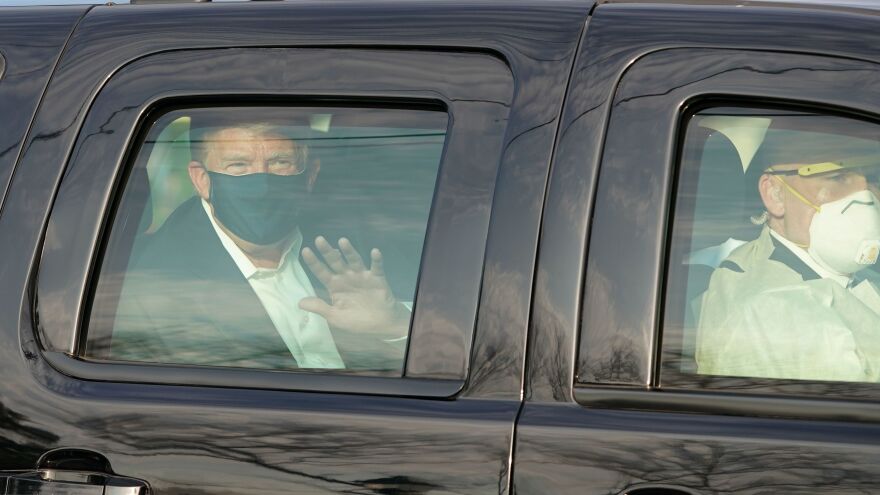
pixel 236 165
pixel 284 166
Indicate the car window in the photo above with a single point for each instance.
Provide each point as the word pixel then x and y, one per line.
pixel 772 272
pixel 269 237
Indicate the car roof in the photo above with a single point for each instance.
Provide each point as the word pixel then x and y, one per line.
pixel 872 5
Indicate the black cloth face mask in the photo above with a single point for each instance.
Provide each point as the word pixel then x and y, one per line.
pixel 259 208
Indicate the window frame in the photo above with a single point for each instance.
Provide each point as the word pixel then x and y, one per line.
pixel 693 77
pixel 135 157
pixel 127 110
pixel 669 377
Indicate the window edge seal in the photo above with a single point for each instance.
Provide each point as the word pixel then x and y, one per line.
pixel 162 374
pixel 727 404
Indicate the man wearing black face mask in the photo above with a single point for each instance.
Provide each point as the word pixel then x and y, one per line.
pixel 224 282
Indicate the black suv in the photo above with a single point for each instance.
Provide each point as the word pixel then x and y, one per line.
pixel 602 239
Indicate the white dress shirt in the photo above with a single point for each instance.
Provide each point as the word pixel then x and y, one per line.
pixel 306 334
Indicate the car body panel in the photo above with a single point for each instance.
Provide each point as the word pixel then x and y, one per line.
pixel 599 416
pixel 26 63
pixel 209 439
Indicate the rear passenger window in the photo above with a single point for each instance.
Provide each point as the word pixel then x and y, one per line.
pixel 269 237
pixel 773 270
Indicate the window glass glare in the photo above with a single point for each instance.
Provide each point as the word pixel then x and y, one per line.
pixel 776 237
pixel 280 238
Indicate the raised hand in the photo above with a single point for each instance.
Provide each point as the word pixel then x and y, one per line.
pixel 360 298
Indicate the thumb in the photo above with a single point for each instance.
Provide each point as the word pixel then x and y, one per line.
pixel 315 305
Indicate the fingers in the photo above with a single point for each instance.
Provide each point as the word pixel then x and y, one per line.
pixel 315 305
pixel 355 262
pixel 376 265
pixel 317 267
pixel 331 255
pixel 335 263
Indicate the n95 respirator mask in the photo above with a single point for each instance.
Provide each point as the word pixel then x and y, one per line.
pixel 845 233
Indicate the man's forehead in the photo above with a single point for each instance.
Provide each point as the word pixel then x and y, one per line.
pixel 237 139
pixel 247 134
pixel 241 143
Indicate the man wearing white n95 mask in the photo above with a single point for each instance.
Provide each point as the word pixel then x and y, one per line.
pixel 798 302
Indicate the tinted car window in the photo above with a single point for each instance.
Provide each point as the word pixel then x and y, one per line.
pixel 280 238
pixel 776 236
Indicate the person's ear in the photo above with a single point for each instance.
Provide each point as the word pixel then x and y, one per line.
pixel 200 179
pixel 313 173
pixel 771 195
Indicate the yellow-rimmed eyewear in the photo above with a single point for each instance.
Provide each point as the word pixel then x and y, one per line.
pixel 811 169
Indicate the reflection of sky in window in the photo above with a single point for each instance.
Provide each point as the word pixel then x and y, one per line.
pixel 720 199
pixel 378 181
pixel 376 175
pixel 386 175
pixel 375 184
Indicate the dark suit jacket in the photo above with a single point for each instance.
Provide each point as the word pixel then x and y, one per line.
pixel 183 300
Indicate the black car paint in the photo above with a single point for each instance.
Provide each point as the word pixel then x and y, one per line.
pixel 29 61
pixel 622 429
pixel 477 94
pixel 572 435
pixel 212 439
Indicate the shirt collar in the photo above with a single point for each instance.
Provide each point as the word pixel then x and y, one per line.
pixel 805 257
pixel 244 264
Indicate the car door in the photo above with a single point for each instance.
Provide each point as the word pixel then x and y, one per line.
pixel 26 63
pixel 92 188
pixel 616 401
